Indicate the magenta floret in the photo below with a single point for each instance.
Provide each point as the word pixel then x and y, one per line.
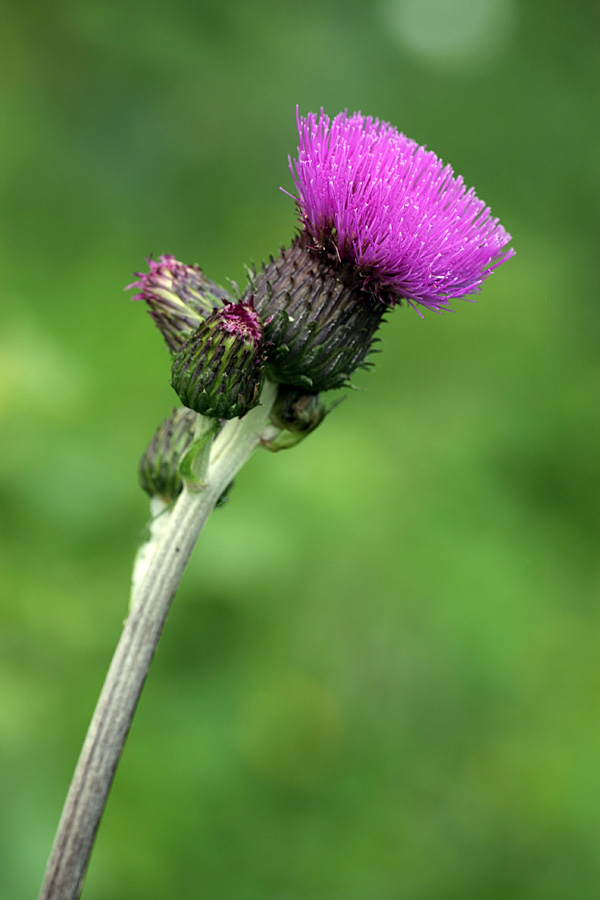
pixel 161 275
pixel 392 208
pixel 242 321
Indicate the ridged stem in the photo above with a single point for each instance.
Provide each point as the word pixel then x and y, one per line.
pixel 118 700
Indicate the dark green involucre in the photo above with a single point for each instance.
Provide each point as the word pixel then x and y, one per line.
pixel 219 371
pixel 319 321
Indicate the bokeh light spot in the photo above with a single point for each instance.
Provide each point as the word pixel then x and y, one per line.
pixel 451 33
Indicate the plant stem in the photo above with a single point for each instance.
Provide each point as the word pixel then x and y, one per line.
pixel 127 673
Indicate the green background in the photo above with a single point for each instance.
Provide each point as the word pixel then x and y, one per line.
pixel 381 676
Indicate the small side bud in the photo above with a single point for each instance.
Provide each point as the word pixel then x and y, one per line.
pixel 159 466
pixel 297 410
pixel 179 297
pixel 219 371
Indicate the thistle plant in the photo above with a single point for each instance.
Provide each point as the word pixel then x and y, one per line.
pixel 383 224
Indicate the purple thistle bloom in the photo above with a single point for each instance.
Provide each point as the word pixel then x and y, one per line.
pixel 392 209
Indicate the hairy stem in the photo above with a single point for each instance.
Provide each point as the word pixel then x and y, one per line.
pixel 127 673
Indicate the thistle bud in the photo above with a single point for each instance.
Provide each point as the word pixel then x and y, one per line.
pixel 159 466
pixel 219 371
pixel 297 413
pixel 179 297
pixel 297 410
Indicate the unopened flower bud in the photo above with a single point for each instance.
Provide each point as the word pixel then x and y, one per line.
pixel 297 410
pixel 219 371
pixel 159 466
pixel 179 297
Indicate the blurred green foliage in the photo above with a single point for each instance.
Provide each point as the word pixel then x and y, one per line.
pixel 380 678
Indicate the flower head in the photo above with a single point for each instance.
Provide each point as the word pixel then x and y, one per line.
pixel 179 297
pixel 392 209
pixel 218 372
pixel 383 221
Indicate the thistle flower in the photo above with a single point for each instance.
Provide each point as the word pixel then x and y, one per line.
pixel 409 225
pixel 218 372
pixel 179 297
pixel 383 221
